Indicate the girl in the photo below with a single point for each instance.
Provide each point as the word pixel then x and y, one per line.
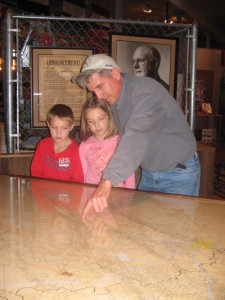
pixel 99 138
pixel 57 156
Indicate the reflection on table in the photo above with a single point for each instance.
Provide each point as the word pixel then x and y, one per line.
pixel 144 246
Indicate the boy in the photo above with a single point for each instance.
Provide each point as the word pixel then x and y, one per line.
pixel 57 157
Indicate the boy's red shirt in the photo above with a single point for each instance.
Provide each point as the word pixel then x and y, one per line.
pixel 64 166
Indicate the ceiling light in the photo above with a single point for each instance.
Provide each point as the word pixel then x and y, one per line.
pixel 147 9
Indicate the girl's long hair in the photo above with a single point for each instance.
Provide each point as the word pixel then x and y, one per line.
pixel 93 103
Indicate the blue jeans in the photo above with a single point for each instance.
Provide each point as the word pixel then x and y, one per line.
pixel 175 181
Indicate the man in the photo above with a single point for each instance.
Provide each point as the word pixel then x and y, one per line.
pixel 153 129
pixel 146 61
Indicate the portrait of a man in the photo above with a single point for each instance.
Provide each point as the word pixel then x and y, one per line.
pixel 145 56
pixel 146 61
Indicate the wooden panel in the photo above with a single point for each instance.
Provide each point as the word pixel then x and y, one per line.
pixel 15 164
pixel 207 161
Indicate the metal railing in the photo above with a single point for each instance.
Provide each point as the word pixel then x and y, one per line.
pixel 21 32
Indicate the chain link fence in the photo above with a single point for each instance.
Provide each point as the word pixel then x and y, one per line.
pixel 24 32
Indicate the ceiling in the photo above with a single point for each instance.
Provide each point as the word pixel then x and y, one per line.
pixel 209 15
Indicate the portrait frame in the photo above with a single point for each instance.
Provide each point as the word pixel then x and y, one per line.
pixel 123 47
pixel 52 71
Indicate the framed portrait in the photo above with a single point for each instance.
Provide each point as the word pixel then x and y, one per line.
pixel 52 71
pixel 132 55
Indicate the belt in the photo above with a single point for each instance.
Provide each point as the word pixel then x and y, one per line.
pixel 180 166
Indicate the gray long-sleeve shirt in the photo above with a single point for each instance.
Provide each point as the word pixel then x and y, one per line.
pixel 155 134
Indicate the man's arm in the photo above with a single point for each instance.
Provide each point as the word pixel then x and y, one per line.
pixel 99 199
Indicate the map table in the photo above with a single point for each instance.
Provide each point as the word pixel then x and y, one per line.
pixel 144 246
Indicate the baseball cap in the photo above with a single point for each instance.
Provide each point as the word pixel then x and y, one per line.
pixel 96 62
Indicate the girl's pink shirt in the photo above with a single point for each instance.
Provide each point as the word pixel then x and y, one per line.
pixel 95 155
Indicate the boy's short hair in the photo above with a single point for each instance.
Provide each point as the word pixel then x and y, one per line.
pixel 61 111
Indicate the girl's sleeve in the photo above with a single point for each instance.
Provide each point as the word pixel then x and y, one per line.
pixel 130 182
pixel 78 174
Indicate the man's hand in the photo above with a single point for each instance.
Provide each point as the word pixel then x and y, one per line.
pixel 99 199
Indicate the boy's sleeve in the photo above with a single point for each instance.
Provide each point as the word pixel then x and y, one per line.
pixel 78 174
pixel 83 159
pixel 37 167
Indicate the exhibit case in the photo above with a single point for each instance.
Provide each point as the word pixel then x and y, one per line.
pixel 143 246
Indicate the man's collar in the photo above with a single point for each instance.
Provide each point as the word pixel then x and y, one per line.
pixel 118 103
